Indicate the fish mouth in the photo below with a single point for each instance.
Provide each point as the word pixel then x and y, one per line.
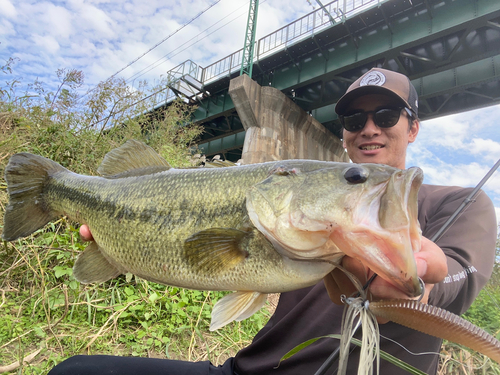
pixel 386 233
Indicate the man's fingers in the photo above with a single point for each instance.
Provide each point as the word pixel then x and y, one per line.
pixel 332 288
pixel 431 262
pixel 337 283
pixel 85 233
pixel 381 289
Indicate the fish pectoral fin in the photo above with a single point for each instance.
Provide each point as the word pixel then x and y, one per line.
pixel 213 250
pixel 92 267
pixel 236 306
pixel 133 158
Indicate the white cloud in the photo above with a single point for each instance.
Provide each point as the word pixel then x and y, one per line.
pixel 43 18
pixel 462 134
pixel 7 10
pixel 46 42
pixel 489 148
pixel 59 21
pixel 95 20
pixel 6 28
pixel 445 131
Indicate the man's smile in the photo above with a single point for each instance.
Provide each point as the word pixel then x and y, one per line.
pixel 369 147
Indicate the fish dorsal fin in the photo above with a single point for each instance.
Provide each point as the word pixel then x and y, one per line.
pixel 236 306
pixel 215 249
pixel 133 158
pixel 92 267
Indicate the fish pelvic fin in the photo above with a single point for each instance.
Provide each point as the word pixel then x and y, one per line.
pixel 92 267
pixel 236 306
pixel 132 159
pixel 216 249
pixel 27 175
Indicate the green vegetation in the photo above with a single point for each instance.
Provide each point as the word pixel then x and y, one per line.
pixel 78 133
pixel 42 307
pixel 484 313
pixel 44 310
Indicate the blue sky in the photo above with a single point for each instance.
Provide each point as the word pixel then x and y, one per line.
pixel 101 37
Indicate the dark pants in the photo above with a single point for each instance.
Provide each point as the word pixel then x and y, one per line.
pixel 104 365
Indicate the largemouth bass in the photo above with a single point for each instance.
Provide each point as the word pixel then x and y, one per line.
pixel 254 229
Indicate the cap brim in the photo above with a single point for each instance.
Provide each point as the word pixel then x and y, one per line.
pixel 343 104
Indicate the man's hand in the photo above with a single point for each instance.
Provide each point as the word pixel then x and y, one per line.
pixel 431 268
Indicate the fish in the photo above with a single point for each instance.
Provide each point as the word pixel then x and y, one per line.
pixel 252 229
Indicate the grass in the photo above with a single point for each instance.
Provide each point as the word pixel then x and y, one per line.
pixel 457 360
pixel 44 308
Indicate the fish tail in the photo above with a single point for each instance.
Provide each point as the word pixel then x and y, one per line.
pixel 27 176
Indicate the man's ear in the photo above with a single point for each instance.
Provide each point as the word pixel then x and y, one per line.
pixel 412 134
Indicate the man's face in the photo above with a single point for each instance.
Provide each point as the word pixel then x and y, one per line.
pixel 379 145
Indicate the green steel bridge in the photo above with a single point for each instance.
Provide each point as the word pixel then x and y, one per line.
pixel 450 49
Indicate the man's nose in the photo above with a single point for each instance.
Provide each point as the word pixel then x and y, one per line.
pixel 370 128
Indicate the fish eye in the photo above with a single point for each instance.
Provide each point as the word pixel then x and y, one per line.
pixel 356 175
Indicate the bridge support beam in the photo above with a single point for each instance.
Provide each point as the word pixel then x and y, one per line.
pixel 277 128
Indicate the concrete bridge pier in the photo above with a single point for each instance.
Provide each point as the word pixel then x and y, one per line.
pixel 277 128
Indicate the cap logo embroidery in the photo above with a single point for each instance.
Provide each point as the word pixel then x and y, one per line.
pixel 373 79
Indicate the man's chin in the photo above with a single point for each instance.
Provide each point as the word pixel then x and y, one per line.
pixel 370 156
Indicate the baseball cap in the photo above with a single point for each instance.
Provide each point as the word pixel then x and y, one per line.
pixel 381 81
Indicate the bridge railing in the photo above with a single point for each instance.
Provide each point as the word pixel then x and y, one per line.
pixel 306 25
pixel 223 66
pixel 332 13
pixel 311 23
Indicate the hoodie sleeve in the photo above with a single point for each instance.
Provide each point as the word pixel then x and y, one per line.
pixel 469 243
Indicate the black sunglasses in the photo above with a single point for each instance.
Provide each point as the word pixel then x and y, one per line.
pixel 383 118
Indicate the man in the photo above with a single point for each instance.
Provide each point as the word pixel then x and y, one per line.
pixel 379 113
